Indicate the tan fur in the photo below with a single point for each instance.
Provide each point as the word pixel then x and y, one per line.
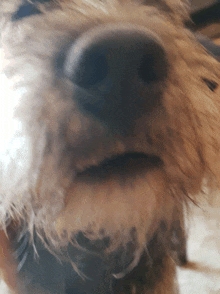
pixel 7 262
pixel 54 141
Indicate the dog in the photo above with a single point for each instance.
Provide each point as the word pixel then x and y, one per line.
pixel 110 127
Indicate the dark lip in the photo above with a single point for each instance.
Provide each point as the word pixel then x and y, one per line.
pixel 123 164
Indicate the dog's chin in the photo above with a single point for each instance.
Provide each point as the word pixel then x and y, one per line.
pixel 116 196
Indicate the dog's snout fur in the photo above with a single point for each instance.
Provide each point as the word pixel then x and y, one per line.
pixel 114 67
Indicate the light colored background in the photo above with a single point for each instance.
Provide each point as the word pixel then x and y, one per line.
pixel 202 275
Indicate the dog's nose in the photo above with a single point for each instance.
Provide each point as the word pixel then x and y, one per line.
pixel 117 71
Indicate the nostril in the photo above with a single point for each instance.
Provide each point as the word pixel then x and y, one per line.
pixel 147 70
pixel 85 67
pixel 153 66
pixel 91 69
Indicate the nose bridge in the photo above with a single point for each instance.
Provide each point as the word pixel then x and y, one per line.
pixel 115 65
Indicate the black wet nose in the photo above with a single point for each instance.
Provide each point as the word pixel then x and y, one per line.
pixel 117 72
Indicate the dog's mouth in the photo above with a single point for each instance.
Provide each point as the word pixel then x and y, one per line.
pixel 121 165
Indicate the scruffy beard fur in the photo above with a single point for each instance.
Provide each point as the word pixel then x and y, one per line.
pixel 53 170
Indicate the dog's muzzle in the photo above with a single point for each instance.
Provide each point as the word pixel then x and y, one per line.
pixel 116 70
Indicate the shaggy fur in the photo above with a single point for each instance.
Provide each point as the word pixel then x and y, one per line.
pixel 60 181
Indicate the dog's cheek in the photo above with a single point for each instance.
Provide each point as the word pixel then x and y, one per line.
pixel 211 136
pixel 116 208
